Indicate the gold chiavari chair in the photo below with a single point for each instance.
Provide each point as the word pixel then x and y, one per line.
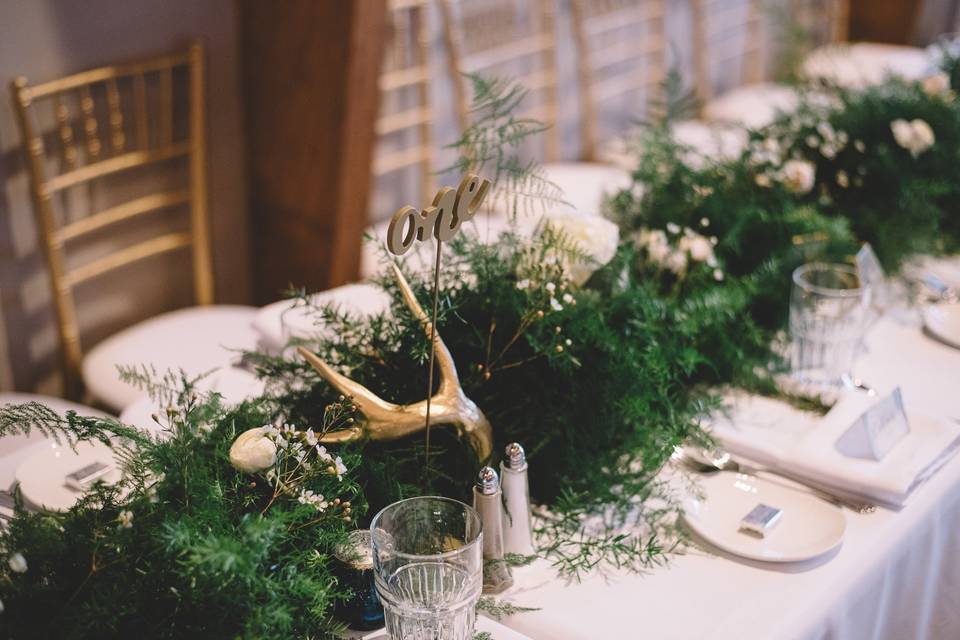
pixel 514 39
pixel 404 139
pixel 124 119
pixel 621 47
pixel 718 25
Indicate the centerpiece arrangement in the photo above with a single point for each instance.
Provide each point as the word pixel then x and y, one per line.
pixel 593 341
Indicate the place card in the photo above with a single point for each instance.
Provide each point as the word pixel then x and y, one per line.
pixel 877 430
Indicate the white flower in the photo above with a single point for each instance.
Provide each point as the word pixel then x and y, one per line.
pixel 523 284
pixel 698 247
pixel 323 455
pixel 813 141
pixel 18 564
pixel 718 275
pixel 762 180
pixel 704 222
pixel 915 136
pixel 567 298
pixel 551 287
pixel 798 176
pixel 126 519
pixel 206 427
pixel 825 129
pixel 556 306
pixel 253 450
pixel 596 236
pixel 310 437
pixel 315 499
pixel 859 146
pixel 340 468
pixel 843 179
pixel 936 85
pixel 673 228
pixel 829 151
pixel 676 262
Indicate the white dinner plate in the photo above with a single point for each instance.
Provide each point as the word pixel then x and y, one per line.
pixel 808 528
pixel 42 476
pixel 942 321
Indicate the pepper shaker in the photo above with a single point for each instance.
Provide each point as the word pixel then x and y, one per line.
pixel 487 500
pixel 517 531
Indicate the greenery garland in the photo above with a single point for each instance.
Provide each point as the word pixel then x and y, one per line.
pixel 599 377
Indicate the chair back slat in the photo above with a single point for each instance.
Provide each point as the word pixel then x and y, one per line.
pixel 621 51
pixel 83 129
pixel 506 38
pixel 404 126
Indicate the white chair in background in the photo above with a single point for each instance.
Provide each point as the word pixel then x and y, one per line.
pixel 107 122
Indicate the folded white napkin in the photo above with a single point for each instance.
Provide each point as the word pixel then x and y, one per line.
pixel 802 445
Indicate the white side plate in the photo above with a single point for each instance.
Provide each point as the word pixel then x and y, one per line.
pixel 942 321
pixel 808 528
pixel 42 475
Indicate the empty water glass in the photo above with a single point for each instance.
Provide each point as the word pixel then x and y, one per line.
pixel 827 317
pixel 428 568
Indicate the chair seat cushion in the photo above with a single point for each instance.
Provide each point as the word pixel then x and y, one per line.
pixel 195 339
pixel 752 106
pixel 862 64
pixel 280 321
pixel 585 184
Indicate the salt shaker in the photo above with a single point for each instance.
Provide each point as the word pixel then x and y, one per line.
pixel 487 501
pixel 517 531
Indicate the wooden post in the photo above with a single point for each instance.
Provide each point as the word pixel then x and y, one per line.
pixel 310 85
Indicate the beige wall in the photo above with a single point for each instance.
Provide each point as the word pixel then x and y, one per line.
pixel 43 39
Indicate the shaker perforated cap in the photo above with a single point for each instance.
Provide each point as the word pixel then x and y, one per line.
pixel 516 457
pixel 488 482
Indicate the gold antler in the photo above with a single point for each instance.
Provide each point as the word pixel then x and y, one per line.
pixel 389 421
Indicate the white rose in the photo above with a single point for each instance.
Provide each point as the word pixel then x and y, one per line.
pixel 915 136
pixel 798 176
pixel 596 236
pixel 18 564
pixel 936 85
pixel 253 451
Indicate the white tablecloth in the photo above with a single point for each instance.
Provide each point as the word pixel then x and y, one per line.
pixel 896 576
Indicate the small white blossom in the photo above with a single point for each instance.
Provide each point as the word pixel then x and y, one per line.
pixel 323 455
pixel 556 306
pixel 704 222
pixel 567 298
pixel 762 180
pixel 915 136
pixel 676 262
pixel 859 146
pixel 18 564
pixel 523 284
pixel 843 179
pixel 673 228
pixel 340 468
pixel 310 438
pixel 315 499
pixel 718 275
pixel 714 240
pixel 551 287
pixel 937 84
pixel 798 176
pixel 568 342
pixel 126 519
pixel 812 141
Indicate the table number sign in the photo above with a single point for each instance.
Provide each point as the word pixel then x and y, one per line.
pixel 877 430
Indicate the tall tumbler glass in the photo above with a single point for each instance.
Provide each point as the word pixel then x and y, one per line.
pixel 428 568
pixel 827 315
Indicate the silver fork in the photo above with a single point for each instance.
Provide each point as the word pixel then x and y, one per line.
pixel 720 460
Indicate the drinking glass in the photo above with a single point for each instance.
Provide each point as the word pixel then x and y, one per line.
pixel 827 314
pixel 428 568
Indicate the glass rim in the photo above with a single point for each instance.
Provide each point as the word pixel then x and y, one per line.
pixel 446 554
pixel 804 269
